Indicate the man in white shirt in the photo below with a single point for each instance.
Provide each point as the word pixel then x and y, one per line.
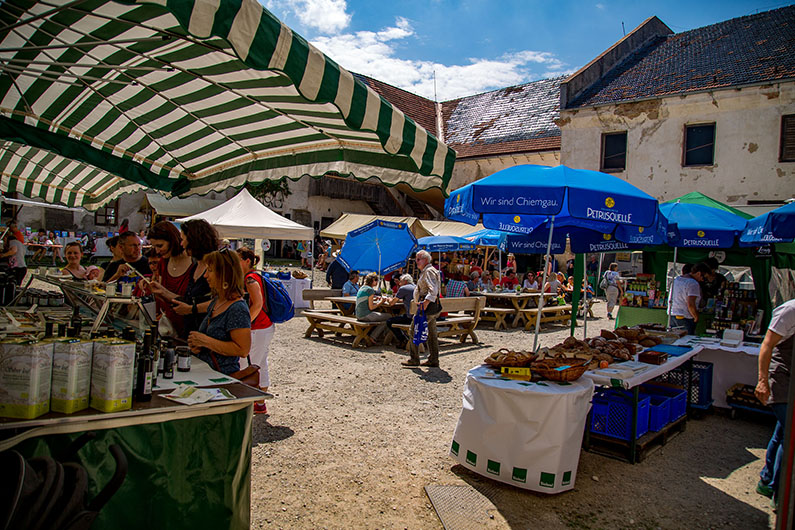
pixel 683 298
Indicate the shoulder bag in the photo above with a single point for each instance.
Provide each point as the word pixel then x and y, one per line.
pixel 248 375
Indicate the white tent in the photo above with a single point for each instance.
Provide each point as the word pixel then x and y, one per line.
pixel 244 216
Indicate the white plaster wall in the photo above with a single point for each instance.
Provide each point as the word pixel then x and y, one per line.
pixel 472 169
pixel 747 141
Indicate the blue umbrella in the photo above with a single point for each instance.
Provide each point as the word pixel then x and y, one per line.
pixel 529 191
pixel 695 225
pixel 783 221
pixel 775 226
pixel 485 237
pixel 523 198
pixel 444 243
pixel 380 246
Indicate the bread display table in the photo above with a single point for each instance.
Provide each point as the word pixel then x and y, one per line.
pixel 526 434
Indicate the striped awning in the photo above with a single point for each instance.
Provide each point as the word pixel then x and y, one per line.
pixel 100 98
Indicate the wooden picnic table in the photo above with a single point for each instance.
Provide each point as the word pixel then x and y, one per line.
pixel 518 301
pixel 347 305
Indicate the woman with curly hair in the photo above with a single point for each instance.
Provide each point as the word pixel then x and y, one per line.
pixel 199 239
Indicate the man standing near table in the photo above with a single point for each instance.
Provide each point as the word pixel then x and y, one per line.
pixel 130 245
pixel 336 275
pixel 683 299
pixel 775 359
pixel 429 285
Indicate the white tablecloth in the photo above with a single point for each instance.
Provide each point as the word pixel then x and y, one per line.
pixel 652 372
pixel 295 287
pixel 729 365
pixel 520 433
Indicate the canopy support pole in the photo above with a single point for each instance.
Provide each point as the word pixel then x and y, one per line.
pixel 543 282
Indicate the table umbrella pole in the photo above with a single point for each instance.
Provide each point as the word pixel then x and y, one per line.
pixel 499 264
pixel 599 278
pixel 543 282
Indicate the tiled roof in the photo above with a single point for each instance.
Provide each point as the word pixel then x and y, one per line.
pixel 747 50
pixel 514 119
pixel 418 108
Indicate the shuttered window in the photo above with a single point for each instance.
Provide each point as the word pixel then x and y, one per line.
pixel 787 152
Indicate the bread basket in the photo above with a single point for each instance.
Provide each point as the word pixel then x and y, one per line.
pixel 506 357
pixel 553 369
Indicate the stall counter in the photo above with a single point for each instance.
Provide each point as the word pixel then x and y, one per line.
pixel 189 466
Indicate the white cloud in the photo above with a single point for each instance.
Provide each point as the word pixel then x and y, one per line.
pixel 374 54
pixel 326 16
pixel 600 6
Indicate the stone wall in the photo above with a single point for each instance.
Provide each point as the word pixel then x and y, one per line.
pixel 747 141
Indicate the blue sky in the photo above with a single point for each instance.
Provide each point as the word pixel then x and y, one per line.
pixel 478 45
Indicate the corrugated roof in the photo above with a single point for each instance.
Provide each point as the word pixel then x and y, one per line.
pixel 514 119
pixel 746 50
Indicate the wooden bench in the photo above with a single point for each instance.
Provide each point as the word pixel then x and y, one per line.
pixel 549 313
pixel 463 315
pixel 320 321
pixel 497 315
pixel 315 295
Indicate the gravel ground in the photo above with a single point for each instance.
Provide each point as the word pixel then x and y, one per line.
pixel 351 440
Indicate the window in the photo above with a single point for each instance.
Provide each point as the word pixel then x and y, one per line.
pixel 699 145
pixel 614 152
pixel 106 216
pixel 787 153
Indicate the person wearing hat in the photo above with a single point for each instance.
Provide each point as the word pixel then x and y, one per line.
pixel 336 275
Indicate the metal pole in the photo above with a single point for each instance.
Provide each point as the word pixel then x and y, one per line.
pixel 599 277
pixel 499 265
pixel 543 282
pixel 585 300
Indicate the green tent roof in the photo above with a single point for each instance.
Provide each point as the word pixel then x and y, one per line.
pixel 100 97
pixel 696 197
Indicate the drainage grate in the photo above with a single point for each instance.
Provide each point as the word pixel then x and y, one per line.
pixel 461 507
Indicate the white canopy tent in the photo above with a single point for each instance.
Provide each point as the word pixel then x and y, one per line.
pixel 244 216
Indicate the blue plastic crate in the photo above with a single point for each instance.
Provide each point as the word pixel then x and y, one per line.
pixel 611 414
pixel 659 412
pixel 701 383
pixel 677 406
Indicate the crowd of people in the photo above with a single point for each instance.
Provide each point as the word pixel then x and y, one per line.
pixel 206 295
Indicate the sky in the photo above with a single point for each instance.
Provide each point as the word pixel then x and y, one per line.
pixel 473 46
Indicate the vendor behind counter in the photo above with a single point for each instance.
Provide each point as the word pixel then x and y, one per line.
pixel 684 297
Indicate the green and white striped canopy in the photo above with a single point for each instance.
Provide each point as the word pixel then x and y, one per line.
pixel 100 98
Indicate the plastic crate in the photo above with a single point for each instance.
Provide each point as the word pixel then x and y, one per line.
pixel 677 406
pixel 611 414
pixel 659 412
pixel 701 383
